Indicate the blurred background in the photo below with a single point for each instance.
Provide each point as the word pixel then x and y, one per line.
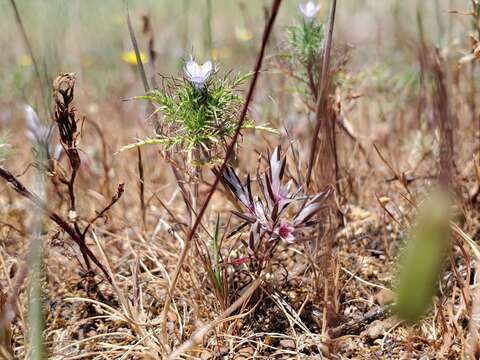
pixel 385 99
pixel 91 38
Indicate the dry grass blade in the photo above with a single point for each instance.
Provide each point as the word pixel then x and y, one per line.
pixel 133 38
pixel 321 91
pixel 146 87
pixel 467 239
pixel 198 336
pixel 23 191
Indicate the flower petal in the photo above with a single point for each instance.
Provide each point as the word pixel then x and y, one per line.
pixel 206 70
pixel 31 116
pixel 192 69
pixel 309 10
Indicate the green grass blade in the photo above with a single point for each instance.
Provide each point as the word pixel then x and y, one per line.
pixel 423 259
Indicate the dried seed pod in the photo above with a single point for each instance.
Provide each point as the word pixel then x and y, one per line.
pixel 64 115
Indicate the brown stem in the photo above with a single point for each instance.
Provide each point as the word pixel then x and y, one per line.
pixel 356 326
pixel 196 181
pixel 141 69
pixel 141 187
pixel 445 125
pixel 23 191
pixel 106 168
pixel 114 200
pixel 322 89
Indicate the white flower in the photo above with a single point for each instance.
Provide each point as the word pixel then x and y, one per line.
pixel 40 134
pixel 36 131
pixel 198 74
pixel 309 10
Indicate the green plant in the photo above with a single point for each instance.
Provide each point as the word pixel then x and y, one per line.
pixel 302 53
pixel 199 118
pixel 424 256
pixel 305 42
pixel 200 113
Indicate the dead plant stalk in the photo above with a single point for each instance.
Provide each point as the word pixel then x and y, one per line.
pixel 320 106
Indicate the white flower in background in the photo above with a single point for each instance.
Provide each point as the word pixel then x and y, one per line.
pixel 309 10
pixel 36 131
pixel 40 135
pixel 198 74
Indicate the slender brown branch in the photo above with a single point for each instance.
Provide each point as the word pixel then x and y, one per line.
pixel 445 124
pixel 141 186
pixel 146 86
pixel 114 200
pixel 152 54
pixel 356 326
pixel 322 89
pixel 106 167
pixel 141 69
pixel 23 191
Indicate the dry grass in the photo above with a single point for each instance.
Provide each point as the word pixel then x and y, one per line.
pixel 153 285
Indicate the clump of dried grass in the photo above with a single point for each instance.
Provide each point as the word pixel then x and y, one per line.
pixel 276 315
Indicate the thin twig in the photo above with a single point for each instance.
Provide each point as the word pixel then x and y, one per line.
pixel 152 55
pixel 141 187
pixel 114 200
pixel 146 86
pixel 322 89
pixel 106 167
pixel 23 191
pixel 356 326
pixel 141 69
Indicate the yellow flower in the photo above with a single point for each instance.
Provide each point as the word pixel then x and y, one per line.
pixel 243 34
pixel 87 61
pixel 25 60
pixel 130 57
pixel 221 53
pixel 117 18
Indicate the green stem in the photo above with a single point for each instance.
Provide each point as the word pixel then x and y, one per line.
pixel 35 314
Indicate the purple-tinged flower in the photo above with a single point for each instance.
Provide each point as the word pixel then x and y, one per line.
pixel 311 207
pixel 309 10
pixel 276 194
pixel 242 192
pixel 198 74
pixel 36 131
pixel 279 214
pixel 285 231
